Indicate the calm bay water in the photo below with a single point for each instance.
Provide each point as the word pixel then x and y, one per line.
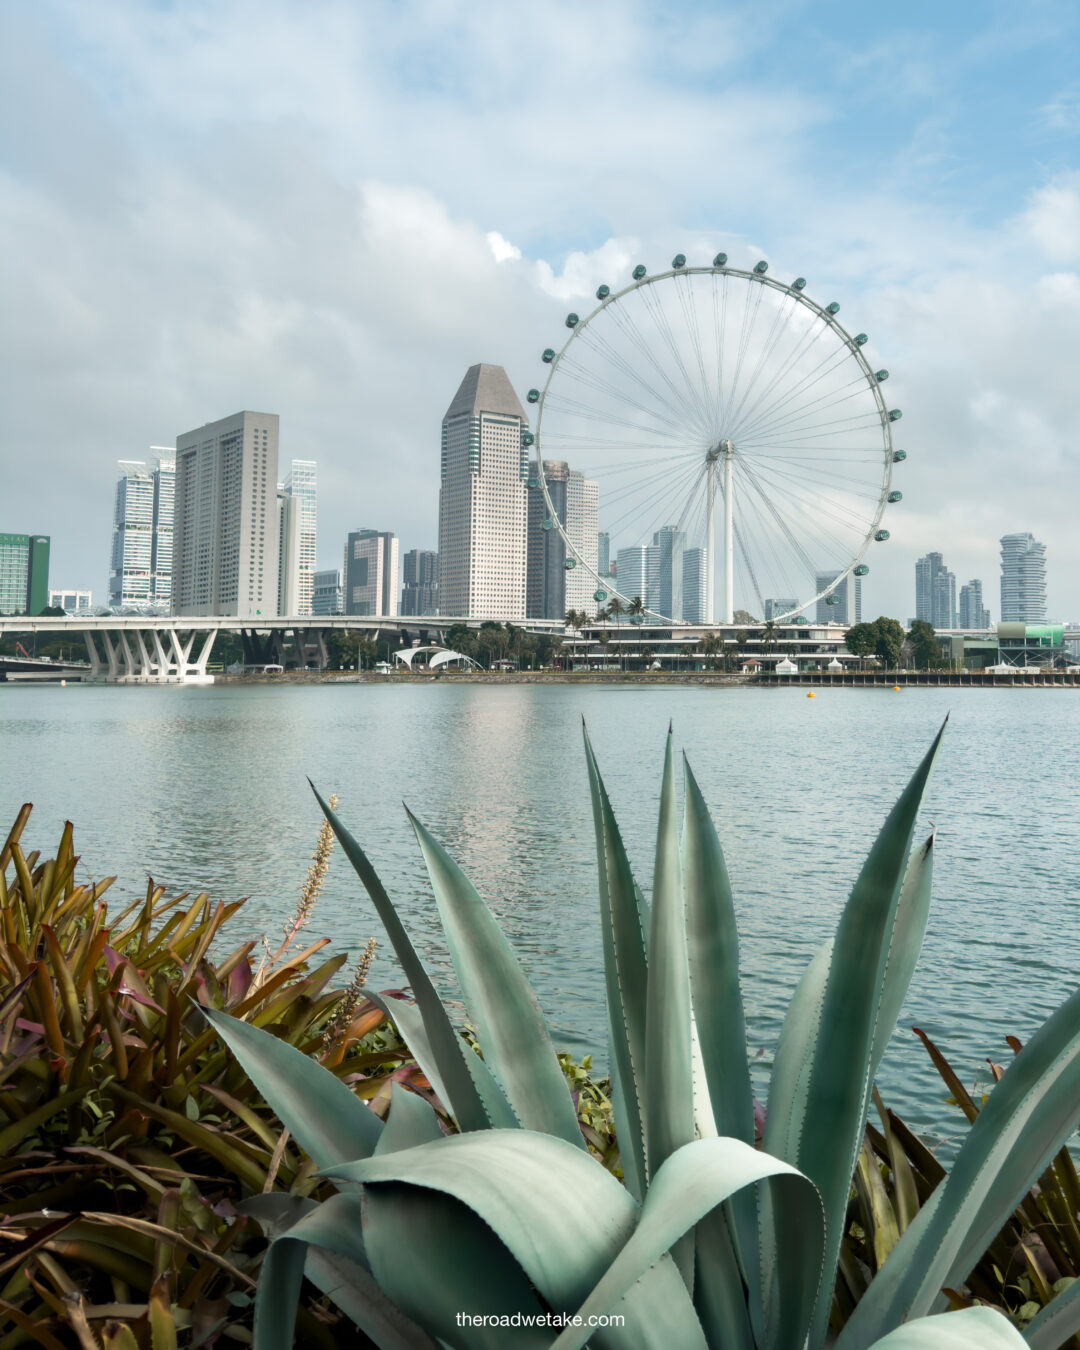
pixel 205 789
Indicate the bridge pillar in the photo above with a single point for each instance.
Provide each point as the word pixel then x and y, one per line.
pixel 94 655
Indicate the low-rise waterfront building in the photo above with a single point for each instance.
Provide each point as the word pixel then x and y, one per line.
pixel 71 601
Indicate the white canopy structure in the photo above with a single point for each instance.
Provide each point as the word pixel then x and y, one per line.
pixel 834 664
pixel 439 656
pixel 786 667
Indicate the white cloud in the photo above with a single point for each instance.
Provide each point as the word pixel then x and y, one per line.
pixel 1053 218
pixel 502 250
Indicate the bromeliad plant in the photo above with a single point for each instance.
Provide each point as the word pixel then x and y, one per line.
pixel 710 1243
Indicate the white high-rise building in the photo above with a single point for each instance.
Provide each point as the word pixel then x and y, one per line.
pixel 483 499
pixel 140 572
pixel 290 524
pixel 637 574
pixel 1023 579
pixel 693 585
pixel 302 482
pixel 226 522
pixel 582 518
pixel 973 613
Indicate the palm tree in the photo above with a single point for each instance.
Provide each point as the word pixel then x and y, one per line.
pixel 636 606
pixel 711 646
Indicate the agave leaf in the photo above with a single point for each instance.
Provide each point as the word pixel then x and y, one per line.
pixel 1057 1322
pixel 456 1266
pixel 500 1000
pixel 622 930
pixel 561 1216
pixel 669 1092
pixel 410 1024
pixel 446 1045
pixel 689 1185
pixel 789 1082
pixel 327 1120
pixel 720 1286
pixel 969 1329
pixel 1024 1122
pixel 829 1129
pixel 335 1227
pixel 909 929
pixel 412 1121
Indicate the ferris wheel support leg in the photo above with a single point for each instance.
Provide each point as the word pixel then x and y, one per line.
pixel 710 534
pixel 729 539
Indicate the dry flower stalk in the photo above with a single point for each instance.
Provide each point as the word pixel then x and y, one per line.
pixel 309 895
pixel 343 1014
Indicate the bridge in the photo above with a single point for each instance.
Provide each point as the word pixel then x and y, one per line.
pixel 175 649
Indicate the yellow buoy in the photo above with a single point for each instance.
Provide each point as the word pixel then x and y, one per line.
pixel 811 694
pixel 896 688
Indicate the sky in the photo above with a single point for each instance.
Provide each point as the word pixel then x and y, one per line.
pixel 330 209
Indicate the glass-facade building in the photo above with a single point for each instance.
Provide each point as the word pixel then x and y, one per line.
pixel 420 582
pixel 141 561
pixel 302 481
pixel 371 573
pixel 326 595
pixel 24 573
pixel 1023 579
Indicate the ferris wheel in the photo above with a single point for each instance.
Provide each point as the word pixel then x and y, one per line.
pixel 736 434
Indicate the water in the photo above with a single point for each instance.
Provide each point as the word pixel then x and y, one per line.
pixel 205 789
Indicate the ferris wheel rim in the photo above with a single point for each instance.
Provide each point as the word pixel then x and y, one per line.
pixel 790 290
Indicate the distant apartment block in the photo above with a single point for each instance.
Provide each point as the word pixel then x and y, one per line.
pixel 558 578
pixel 371 573
pixel 935 592
pixel 420 582
pixel 774 608
pixel 226 530
pixel 301 482
pixel 1023 579
pixel 603 553
pixel 71 602
pixel 693 584
pixel 483 499
pixel 141 561
pixel 671 542
pixel 973 614
pixel 24 573
pixel 847 605
pixel 326 596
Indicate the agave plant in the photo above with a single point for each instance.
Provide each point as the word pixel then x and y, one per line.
pixel 708 1243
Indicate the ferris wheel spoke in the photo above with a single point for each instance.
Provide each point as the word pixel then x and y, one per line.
pixel 580 376
pixel 751 309
pixel 625 320
pixel 650 487
pixel 832 361
pixel 831 398
pixel 792 539
pixel 604 348
pixel 689 308
pixel 781 319
pixel 764 538
pixel 788 361
pixel 562 404
pixel 655 307
pixel 815 509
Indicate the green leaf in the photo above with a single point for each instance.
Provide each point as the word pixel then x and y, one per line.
pixel 1025 1120
pixel 622 930
pixel 562 1217
pixel 669 1095
pixel 688 1186
pixel 411 1121
pixel 1060 1319
pixel 328 1121
pixel 446 1045
pixel 829 1134
pixel 512 1031
pixel 968 1329
pixel 410 1024
pixel 713 956
pixel 333 1227
pixel 909 929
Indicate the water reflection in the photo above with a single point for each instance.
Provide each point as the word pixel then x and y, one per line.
pixel 206 789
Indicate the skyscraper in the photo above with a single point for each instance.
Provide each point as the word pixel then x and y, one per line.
pixel 671 541
pixel 301 482
pixel 551 588
pixel 225 524
pixel 849 608
pixel 326 595
pixel 140 565
pixel 24 573
pixel 603 553
pixel 935 592
pixel 420 582
pixel 482 499
pixel 638 574
pixel 774 608
pixel 972 612
pixel 371 573
pixel 290 524
pixel 1023 579
pixel 693 585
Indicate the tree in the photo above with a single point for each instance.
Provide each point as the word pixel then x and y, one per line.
pixel 768 634
pixel 925 645
pixel 615 610
pixel 636 606
pixel 711 646
pixel 743 616
pixel 883 638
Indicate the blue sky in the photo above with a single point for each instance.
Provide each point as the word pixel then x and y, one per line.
pixel 289 207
